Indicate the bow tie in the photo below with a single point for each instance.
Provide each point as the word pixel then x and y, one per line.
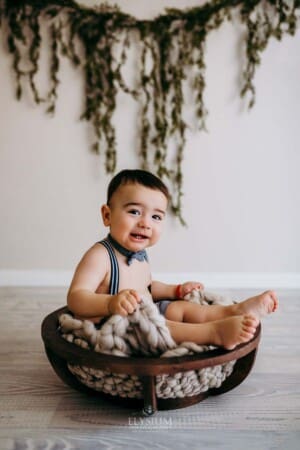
pixel 130 256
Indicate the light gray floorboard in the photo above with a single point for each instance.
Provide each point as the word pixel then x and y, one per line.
pixel 37 411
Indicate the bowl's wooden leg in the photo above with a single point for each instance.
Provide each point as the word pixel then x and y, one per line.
pixel 150 401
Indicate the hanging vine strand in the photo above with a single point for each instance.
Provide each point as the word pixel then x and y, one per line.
pixel 171 51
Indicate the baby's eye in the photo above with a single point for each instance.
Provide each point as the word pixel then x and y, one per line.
pixel 134 212
pixel 157 217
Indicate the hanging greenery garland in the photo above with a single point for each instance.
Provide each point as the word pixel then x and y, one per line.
pixel 171 52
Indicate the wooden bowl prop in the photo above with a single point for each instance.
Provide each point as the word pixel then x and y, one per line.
pixel 147 372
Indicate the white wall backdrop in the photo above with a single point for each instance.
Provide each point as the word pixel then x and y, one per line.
pixel 241 185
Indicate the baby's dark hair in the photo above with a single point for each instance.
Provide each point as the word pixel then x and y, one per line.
pixel 137 176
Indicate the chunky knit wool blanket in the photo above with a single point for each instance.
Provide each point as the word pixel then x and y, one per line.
pixel 143 333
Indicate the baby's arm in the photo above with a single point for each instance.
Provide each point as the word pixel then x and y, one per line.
pixel 161 290
pixel 84 301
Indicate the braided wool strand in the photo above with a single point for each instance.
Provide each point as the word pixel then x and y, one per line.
pixel 143 333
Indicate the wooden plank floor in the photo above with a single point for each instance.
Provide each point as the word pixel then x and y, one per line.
pixel 37 411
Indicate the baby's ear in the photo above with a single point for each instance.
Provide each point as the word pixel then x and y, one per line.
pixel 105 212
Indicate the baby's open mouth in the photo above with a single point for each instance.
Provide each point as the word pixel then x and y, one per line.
pixel 139 236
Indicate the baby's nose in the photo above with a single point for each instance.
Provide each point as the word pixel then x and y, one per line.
pixel 144 222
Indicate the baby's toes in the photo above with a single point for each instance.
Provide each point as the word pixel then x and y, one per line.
pixel 247 336
pixel 251 320
pixel 275 301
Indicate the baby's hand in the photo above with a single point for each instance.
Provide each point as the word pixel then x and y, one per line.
pixel 124 303
pixel 188 287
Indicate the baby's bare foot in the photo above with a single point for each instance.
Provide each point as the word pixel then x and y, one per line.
pixel 235 330
pixel 259 306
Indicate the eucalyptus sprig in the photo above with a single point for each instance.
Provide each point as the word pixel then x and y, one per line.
pixel 171 55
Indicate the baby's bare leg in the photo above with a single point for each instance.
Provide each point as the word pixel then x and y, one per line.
pixel 184 311
pixel 227 333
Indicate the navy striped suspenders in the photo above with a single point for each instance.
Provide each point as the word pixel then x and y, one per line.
pixel 114 275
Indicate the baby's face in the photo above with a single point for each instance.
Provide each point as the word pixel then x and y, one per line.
pixel 135 216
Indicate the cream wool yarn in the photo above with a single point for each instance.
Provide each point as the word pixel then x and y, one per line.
pixel 143 333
